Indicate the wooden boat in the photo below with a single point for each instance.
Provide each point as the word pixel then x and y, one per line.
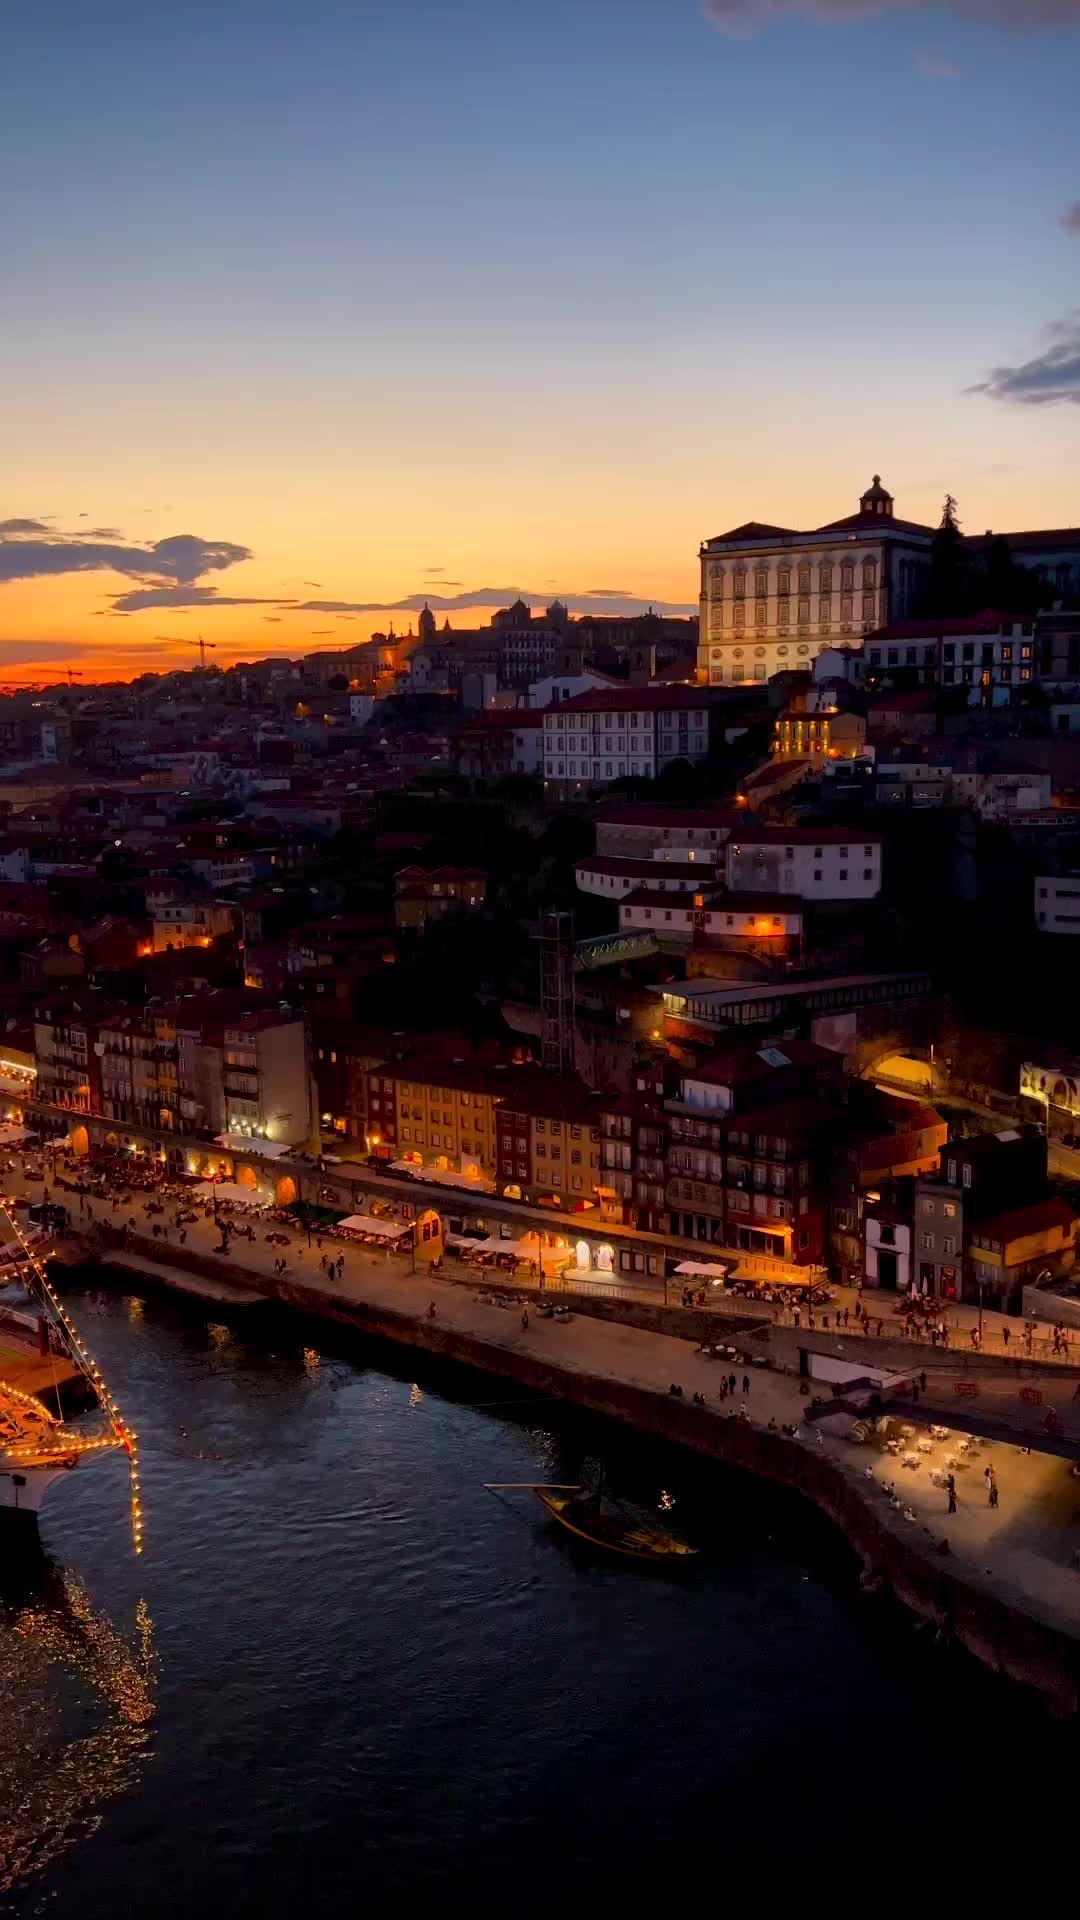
pixel 586 1516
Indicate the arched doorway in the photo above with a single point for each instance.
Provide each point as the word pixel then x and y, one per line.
pixel 79 1141
pixel 245 1177
pixel 428 1235
pixel 285 1191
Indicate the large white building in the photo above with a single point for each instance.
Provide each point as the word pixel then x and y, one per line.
pixel 611 735
pixel 774 597
pixel 1057 904
pixel 816 863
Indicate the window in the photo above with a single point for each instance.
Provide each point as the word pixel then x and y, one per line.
pixel 761 584
pixel 804 579
pixel 739 584
pixel 843 873
pixel 948 1245
pixel 761 613
pixel 740 616
pixel 967 1176
pixel 817 873
pixel 804 613
pixel 949 1209
pixel 868 873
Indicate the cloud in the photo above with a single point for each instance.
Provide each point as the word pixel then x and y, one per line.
pixel 311 583
pixel 742 17
pixel 140 598
pixel 12 529
pixel 181 558
pixel 272 619
pixel 936 66
pixel 1070 219
pixel 434 569
pixel 607 593
pixel 1050 378
pixel 320 633
pixel 474 597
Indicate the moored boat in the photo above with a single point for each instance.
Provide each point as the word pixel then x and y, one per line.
pixel 602 1524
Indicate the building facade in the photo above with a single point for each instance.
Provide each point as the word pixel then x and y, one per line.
pixel 773 597
pixel 635 732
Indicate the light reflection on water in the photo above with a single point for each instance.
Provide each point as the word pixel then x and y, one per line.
pixel 77 1703
pixel 377 1687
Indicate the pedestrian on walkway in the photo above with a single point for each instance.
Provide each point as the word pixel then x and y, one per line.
pixel 951 1486
pixel 1005 1337
pixel 732 1382
pixel 922 1382
pixel 745 1384
pixel 525 1319
pixel 993 1493
pixel 880 1326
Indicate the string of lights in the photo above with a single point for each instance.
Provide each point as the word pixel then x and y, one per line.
pixel 122 1434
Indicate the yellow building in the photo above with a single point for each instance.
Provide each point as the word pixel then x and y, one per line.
pixel 829 733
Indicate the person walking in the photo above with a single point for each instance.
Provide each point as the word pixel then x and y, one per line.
pixel 524 1319
pixel 922 1381
pixel 993 1493
pixel 1005 1337
pixel 951 1486
pixel 732 1383
pixel 745 1384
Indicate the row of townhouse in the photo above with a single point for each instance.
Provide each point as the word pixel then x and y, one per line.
pixel 752 1149
pixel 209 1065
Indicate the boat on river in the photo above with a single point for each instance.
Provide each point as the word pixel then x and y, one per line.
pixel 36 1449
pixel 602 1523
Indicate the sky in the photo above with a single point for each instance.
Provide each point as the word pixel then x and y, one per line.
pixel 313 309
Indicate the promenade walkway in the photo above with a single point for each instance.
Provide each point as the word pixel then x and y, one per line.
pixel 1024 1549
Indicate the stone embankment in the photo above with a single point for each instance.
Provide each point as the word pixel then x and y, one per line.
pixel 1031 1648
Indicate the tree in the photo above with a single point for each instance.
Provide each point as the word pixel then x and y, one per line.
pixel 948 589
pixel 1009 588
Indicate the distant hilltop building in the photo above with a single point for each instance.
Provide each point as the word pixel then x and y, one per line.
pixel 774 597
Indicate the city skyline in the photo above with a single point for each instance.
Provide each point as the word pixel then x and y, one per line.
pixel 310 317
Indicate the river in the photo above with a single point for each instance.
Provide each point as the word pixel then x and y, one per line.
pixel 343 1676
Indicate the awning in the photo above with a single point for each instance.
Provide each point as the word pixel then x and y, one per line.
pixel 249 1143
pixel 232 1190
pixel 694 1270
pixel 378 1229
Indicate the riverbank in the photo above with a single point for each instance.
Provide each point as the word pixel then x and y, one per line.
pixel 1011 1606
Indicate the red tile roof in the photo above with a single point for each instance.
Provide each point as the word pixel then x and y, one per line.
pixel 1042 1216
pixel 644 816
pixel 753 530
pixel 750 834
pixel 648 699
pixel 873 523
pixel 988 621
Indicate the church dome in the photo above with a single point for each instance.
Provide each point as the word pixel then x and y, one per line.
pixel 876 499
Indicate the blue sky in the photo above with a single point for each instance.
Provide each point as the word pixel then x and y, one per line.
pixel 534 292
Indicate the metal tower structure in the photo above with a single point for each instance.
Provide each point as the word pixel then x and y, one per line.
pixel 557 991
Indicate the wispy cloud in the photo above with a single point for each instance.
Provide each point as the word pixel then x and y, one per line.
pixel 140 599
pixel 15 529
pixel 1050 378
pixel 742 17
pixel 937 66
pixel 591 600
pixel 1070 218
pixel 29 551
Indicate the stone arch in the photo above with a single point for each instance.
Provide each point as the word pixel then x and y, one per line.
pixel 285 1191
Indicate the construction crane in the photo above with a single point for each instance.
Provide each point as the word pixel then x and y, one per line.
pixel 202 646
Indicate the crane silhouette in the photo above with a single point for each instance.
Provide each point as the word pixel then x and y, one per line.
pixel 202 646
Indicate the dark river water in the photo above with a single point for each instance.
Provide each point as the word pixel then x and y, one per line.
pixel 342 1677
